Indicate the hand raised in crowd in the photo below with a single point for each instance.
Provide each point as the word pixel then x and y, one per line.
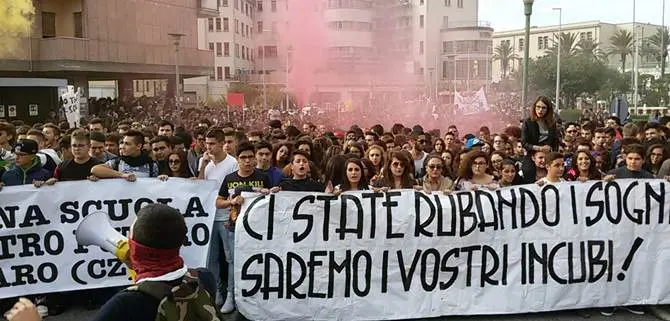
pixel 447 191
pixel 93 178
pixel 163 177
pixel 206 157
pixel 130 177
pixel 609 178
pixel 275 189
pixel 1 185
pixel 23 310
pixel 540 182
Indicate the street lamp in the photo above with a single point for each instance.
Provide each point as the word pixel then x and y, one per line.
pixel 558 56
pixel 528 11
pixel 176 38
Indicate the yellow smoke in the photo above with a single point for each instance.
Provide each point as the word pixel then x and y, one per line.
pixel 16 19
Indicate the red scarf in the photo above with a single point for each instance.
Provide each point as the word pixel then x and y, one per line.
pixel 149 262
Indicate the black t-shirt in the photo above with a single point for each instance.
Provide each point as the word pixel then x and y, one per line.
pixel 301 185
pixel 234 184
pixel 70 170
pixel 624 172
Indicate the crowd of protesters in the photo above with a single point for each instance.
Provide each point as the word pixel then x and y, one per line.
pixel 313 157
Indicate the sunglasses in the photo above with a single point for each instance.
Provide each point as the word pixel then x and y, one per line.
pixel 435 166
pixel 396 164
pixel 175 161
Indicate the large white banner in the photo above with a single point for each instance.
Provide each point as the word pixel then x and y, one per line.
pixel 401 255
pixel 38 249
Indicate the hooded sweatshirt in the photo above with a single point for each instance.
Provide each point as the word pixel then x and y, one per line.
pixel 19 176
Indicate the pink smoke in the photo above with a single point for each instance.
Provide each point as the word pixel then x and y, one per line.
pixel 306 35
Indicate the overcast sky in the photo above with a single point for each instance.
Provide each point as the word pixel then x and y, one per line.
pixel 508 14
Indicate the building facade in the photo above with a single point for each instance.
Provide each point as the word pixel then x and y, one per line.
pixel 96 40
pixel 373 47
pixel 543 39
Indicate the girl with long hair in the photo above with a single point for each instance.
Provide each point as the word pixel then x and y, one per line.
pixel 375 154
pixel 178 164
pixel 281 155
pixel 583 168
pixel 355 179
pixel 397 173
pixel 539 132
pixel 473 173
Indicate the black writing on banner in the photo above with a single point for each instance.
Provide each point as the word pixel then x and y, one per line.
pixel 38 249
pixel 300 245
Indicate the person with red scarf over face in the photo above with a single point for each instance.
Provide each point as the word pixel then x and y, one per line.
pixel 155 239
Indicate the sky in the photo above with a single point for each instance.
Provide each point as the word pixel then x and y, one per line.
pixel 508 14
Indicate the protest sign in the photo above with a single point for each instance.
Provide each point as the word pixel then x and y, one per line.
pixel 71 106
pixel 38 249
pixel 407 254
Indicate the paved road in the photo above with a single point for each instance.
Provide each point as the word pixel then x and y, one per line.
pixel 82 315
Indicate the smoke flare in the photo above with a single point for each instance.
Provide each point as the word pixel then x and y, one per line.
pixel 16 20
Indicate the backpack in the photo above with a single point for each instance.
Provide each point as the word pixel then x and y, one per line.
pixel 188 301
pixel 117 161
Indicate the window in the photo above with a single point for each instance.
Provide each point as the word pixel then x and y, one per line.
pixel 237 50
pixel 246 9
pixel 273 5
pixel 274 27
pixel 237 27
pixel 421 21
pixel 237 4
pixel 521 44
pixel 445 21
pixel 218 49
pixel 270 51
pixel 48 24
pixel 211 46
pixel 223 3
pixel 225 25
pixel 259 5
pixel 460 3
pixel 421 2
pixel 260 27
pixel 210 23
pixel 248 54
pixel 589 35
pixel 444 70
pixel 546 42
pixel 242 28
pixel 226 49
pixel 219 73
pixel 539 42
pixel 421 47
pixel 244 52
pixel 79 25
pixel 227 72
pixel 447 3
pixel 218 24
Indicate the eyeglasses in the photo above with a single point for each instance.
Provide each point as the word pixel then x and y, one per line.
pixel 397 164
pixel 174 161
pixel 570 131
pixel 435 166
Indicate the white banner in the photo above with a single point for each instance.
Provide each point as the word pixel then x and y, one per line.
pixel 471 104
pixel 38 249
pixel 401 255
pixel 71 106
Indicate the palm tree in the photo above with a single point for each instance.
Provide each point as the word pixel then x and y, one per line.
pixel 622 45
pixel 504 52
pixel 568 45
pixel 591 48
pixel 658 46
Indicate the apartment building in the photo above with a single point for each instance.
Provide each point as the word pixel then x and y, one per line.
pixel 77 41
pixel 543 38
pixel 374 47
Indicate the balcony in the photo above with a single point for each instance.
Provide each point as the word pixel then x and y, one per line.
pixel 467 24
pixel 208 9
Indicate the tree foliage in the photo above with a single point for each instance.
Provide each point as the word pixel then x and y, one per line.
pixel 504 52
pixel 622 46
pixel 580 76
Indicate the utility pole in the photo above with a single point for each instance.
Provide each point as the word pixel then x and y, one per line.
pixel 558 57
pixel 528 11
pixel 176 38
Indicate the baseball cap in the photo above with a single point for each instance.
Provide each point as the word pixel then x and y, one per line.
pixel 25 146
pixel 473 142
